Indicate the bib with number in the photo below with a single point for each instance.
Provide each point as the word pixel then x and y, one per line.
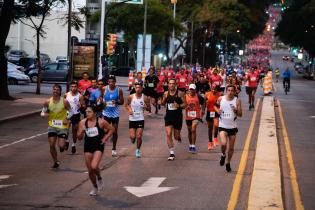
pixel 253 79
pixel 182 80
pixel 57 123
pixel 110 104
pixel 91 132
pixel 227 115
pixel 151 85
pixel 169 74
pixel 171 107
pixel 212 114
pixel 137 114
pixel 192 114
pixel 217 83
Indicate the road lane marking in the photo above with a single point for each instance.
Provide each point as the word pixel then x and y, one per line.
pixel 293 177
pixel 149 187
pixel 2 177
pixel 265 186
pixel 240 172
pixel 312 116
pixel 21 140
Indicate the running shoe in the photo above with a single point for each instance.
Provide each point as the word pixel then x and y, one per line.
pixel 210 145
pixel 228 167
pixel 73 149
pixel 67 145
pixel 56 165
pixel 253 106
pixel 190 149
pixel 138 153
pixel 250 107
pixel 171 157
pixel 216 141
pixel 93 191
pixel 99 183
pixel 114 153
pixel 222 160
pixel 194 150
pixel 61 149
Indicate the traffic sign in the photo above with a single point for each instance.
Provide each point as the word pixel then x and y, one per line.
pixel 127 2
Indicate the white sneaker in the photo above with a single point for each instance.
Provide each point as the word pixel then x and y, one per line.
pixel 99 183
pixel 93 191
pixel 114 153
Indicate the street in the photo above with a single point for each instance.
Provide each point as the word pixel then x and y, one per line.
pixel 192 181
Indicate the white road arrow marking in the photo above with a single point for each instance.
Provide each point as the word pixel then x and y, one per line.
pixel 2 177
pixel 150 187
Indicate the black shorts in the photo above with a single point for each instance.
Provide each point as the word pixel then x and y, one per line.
pixel 190 122
pixel 210 119
pixel 75 119
pixel 150 92
pixel 93 146
pixel 136 124
pixel 112 120
pixel 230 131
pixel 182 89
pixel 58 132
pixel 160 95
pixel 249 90
pixel 176 122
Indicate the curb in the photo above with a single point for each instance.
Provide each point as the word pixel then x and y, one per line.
pixel 18 116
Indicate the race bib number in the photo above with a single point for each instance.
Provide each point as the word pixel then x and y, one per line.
pixel 169 74
pixel 130 83
pixel 227 115
pixel 217 83
pixel 151 85
pixel 57 123
pixel 137 114
pixel 110 104
pixel 182 80
pixel 212 114
pixel 171 107
pixel 192 114
pixel 91 132
pixel 253 79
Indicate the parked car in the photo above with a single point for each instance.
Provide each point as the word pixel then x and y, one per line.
pixel 15 55
pixel 61 59
pixel 28 63
pixel 121 71
pixel 16 76
pixel 44 58
pixel 12 66
pixel 51 72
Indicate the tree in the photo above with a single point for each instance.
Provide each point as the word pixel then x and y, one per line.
pixel 36 11
pixel 6 17
pixel 297 26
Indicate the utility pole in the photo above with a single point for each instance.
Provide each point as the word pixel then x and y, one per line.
pixel 192 42
pixel 103 11
pixel 144 32
pixel 69 42
pixel 173 33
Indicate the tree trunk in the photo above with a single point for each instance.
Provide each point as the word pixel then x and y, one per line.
pixel 5 22
pixel 39 65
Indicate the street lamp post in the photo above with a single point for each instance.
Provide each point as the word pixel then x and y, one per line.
pixel 204 48
pixel 144 32
pixel 173 34
pixel 103 10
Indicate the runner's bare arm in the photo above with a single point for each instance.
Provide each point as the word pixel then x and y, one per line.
pixel 107 128
pixel 163 102
pixel 82 101
pixel 184 104
pixel 147 103
pixel 121 97
pixel 127 104
pixel 67 105
pixel 217 105
pixel 239 112
pixel 45 109
pixel 81 128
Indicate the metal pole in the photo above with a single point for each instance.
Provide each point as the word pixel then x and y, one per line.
pixel 173 35
pixel 192 42
pixel 102 39
pixel 144 32
pixel 204 49
pixel 69 42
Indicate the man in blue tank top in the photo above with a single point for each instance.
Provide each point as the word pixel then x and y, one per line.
pixel 112 98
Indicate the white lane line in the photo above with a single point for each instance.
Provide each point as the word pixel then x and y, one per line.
pixel 312 116
pixel 21 140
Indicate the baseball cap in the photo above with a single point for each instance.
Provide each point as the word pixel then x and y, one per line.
pixel 192 86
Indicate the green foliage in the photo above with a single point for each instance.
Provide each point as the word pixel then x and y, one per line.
pixel 297 26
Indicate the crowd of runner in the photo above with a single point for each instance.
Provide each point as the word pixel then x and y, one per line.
pixel 92 111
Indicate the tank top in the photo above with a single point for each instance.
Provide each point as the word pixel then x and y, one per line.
pixel 211 100
pixel 193 107
pixel 93 134
pixel 170 109
pixel 228 117
pixel 74 101
pixel 137 106
pixel 57 114
pixel 111 110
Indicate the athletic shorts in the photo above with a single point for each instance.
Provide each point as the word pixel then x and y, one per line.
pixel 230 131
pixel 210 119
pixel 190 122
pixel 75 119
pixel 112 120
pixel 176 122
pixel 160 95
pixel 92 146
pixel 150 92
pixel 249 90
pixel 58 132
pixel 136 124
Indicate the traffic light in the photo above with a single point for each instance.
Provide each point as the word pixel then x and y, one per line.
pixel 111 43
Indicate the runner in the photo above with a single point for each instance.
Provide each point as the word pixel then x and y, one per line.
pixel 97 132
pixel 174 115
pixel 277 73
pixel 112 98
pixel 194 114
pixel 84 83
pixel 88 92
pixel 96 96
pixel 223 85
pixel 212 116
pixel 252 79
pixel 229 109
pixel 215 79
pixel 136 104
pixel 55 109
pixel 159 88
pixel 181 81
pixel 138 79
pixel 150 84
pixel 76 102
